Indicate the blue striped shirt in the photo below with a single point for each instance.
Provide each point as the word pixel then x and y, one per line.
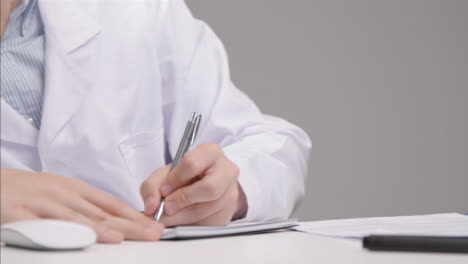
pixel 22 62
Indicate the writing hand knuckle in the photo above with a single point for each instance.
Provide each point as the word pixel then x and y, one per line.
pixel 144 187
pixel 211 189
pixel 216 148
pixel 233 195
pixel 175 178
pixel 235 169
pixel 190 162
pixel 183 197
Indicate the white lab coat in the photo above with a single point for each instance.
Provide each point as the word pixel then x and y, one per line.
pixel 121 80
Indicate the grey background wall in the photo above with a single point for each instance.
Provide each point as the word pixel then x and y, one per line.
pixel 380 86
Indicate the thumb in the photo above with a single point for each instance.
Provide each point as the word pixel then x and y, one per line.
pixel 149 189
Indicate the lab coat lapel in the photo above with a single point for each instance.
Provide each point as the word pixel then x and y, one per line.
pixel 69 62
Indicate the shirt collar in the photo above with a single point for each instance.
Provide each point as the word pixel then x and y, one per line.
pixel 20 9
pixel 23 11
pixel 18 18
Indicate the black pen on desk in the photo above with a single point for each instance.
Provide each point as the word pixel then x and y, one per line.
pixel 416 243
pixel 187 140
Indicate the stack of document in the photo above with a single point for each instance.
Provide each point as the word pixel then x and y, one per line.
pixel 447 225
pixel 192 232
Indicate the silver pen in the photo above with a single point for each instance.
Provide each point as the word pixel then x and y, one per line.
pixel 187 140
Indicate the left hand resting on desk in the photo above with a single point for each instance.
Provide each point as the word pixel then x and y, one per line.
pixel 201 190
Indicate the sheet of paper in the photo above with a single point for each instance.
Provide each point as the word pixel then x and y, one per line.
pixel 191 232
pixel 452 224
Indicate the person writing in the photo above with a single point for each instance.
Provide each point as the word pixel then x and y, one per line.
pixel 94 100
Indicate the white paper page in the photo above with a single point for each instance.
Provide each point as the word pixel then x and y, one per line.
pixel 452 224
pixel 190 232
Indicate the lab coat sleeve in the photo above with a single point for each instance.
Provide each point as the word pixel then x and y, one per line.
pixel 271 153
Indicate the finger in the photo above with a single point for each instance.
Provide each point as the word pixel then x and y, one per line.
pixel 197 212
pixel 113 229
pixel 80 205
pixel 151 231
pixel 50 209
pixel 133 227
pixel 104 233
pixel 133 224
pixel 220 218
pixel 93 216
pixel 193 164
pixel 108 203
pixel 149 189
pixel 209 188
pixel 108 236
pixel 19 215
pixel 191 214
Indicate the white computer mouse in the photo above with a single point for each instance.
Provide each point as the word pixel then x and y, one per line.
pixel 47 234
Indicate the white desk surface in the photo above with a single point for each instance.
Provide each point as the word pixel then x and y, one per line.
pixel 278 247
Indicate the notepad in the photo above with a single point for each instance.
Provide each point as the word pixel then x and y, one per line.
pixel 448 225
pixel 193 232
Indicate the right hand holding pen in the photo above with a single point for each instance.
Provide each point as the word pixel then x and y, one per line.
pixel 32 195
pixel 203 189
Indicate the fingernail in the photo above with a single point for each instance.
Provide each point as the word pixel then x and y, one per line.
pixel 148 204
pixel 170 207
pixel 153 231
pixel 166 189
pixel 111 236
